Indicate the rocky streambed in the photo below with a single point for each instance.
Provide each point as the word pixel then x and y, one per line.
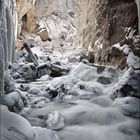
pixel 89 102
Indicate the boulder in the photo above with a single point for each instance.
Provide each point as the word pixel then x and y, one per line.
pixel 43 34
pixel 55 121
pixel 104 80
pixel 128 85
pixel 128 105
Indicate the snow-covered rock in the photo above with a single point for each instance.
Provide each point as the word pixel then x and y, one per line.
pixel 104 80
pixel 14 100
pixel 132 60
pixel 9 83
pixel 34 90
pixel 55 121
pixel 39 102
pixel 85 89
pixel 128 85
pixel 15 127
pixel 84 72
pixel 130 106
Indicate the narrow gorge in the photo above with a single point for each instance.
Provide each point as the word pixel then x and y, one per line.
pixel 69 69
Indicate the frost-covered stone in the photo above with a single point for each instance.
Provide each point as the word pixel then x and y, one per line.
pixel 23 96
pixel 66 80
pixel 84 72
pixel 128 85
pixel 9 85
pixel 130 106
pixel 27 71
pixel 15 100
pixel 55 121
pixel 16 75
pixel 34 91
pixel 24 87
pixel 68 97
pixel 39 102
pixel 11 99
pixel 43 34
pixel 104 80
pixel 85 89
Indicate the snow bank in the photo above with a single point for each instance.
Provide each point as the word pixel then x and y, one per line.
pixel 15 127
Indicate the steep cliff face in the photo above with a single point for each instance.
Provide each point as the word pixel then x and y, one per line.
pixel 47 19
pixel 100 24
pixel 24 9
pixel 138 6
pixel 46 8
pixel 55 15
pixel 58 16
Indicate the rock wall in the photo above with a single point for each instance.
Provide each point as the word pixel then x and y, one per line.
pixel 7 39
pixel 30 12
pixel 25 16
pixel 100 24
pixel 46 8
pixel 138 6
pixel 28 21
pixel 58 14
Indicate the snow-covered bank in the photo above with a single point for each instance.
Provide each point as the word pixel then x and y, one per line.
pixel 15 127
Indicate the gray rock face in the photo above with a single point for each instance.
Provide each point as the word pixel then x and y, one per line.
pixel 45 8
pixel 138 6
pixel 100 24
